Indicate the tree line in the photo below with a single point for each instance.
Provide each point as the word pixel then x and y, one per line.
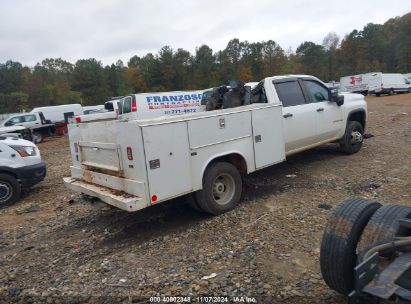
pixel 377 47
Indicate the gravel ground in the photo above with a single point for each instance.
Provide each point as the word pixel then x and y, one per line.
pixel 268 248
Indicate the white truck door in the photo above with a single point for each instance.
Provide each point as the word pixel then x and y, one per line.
pixel 329 116
pixel 167 160
pixel 298 115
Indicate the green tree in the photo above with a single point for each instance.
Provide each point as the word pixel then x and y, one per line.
pixel 88 77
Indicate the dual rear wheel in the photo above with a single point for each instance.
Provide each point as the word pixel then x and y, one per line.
pixel 222 187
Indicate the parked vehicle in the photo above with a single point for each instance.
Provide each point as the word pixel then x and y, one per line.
pixel 36 122
pixel 109 111
pixel 60 113
pixel 136 163
pixel 92 109
pixel 17 131
pixel 407 76
pixel 20 167
pixel 333 85
pixel 354 84
pixel 384 83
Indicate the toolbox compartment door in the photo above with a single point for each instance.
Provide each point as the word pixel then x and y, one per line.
pixel 167 160
pixel 100 155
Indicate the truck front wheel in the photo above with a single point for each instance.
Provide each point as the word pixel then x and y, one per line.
pixel 10 190
pixel 222 187
pixel 37 137
pixel 352 141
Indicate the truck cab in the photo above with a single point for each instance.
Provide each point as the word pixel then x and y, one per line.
pixel 34 121
pixel 312 113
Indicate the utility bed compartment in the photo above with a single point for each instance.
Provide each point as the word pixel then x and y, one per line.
pixel 159 159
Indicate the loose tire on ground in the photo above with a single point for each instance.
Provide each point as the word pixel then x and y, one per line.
pixel 353 138
pixel 383 227
pixel 10 190
pixel 339 242
pixel 222 187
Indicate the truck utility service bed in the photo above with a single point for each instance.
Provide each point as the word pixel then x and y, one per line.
pixel 151 161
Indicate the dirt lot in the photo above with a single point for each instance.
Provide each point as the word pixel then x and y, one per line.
pixel 267 248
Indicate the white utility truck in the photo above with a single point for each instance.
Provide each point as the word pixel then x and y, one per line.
pixel 20 167
pixel 385 83
pixel 136 163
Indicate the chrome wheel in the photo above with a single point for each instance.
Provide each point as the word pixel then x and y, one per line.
pixel 356 137
pixel 223 189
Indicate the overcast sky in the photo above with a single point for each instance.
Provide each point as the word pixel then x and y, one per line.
pixel 108 30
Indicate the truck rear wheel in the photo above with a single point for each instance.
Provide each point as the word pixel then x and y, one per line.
pixel 10 190
pixel 37 137
pixel 352 141
pixel 222 187
pixel 338 246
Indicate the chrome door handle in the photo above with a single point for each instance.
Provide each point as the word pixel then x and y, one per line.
pixel 287 115
pixel 320 109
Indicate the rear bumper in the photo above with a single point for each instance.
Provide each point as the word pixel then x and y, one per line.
pixel 128 195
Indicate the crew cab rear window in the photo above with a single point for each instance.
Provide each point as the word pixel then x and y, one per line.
pixel 317 92
pixel 290 93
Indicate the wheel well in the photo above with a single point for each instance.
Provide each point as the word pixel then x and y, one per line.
pixel 235 159
pixel 358 116
pixel 9 173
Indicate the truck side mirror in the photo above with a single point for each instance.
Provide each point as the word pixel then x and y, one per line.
pixel 338 99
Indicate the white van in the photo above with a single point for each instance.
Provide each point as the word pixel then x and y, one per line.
pixel 151 105
pixel 20 167
pixel 354 84
pixel 59 113
pixel 384 83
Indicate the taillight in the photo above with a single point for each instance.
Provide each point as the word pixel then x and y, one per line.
pixel 76 147
pixel 78 119
pixel 129 153
pixel 133 106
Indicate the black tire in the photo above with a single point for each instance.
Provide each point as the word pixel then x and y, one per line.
pixel 383 227
pixel 353 138
pixel 338 247
pixel 193 202
pixel 378 94
pixel 391 92
pixel 222 187
pixel 37 137
pixel 10 190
